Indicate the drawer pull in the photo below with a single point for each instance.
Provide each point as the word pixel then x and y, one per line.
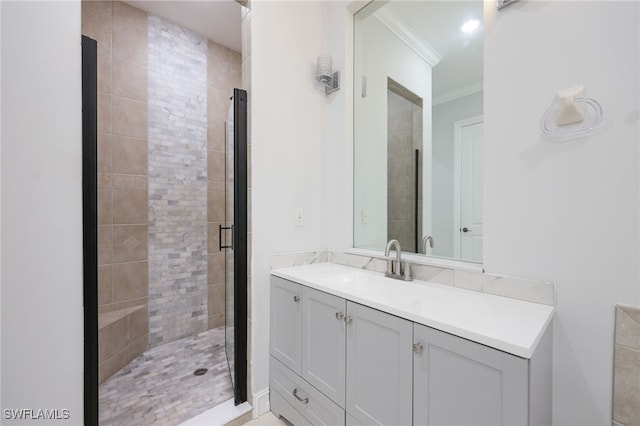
pixel 295 394
pixel 339 315
pixel 348 319
pixel 296 298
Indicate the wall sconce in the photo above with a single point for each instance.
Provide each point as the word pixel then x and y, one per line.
pixel 326 75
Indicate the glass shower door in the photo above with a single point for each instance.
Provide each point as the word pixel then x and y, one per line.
pixel 229 252
pixel 236 246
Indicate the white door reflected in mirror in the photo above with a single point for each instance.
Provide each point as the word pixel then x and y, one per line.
pixel 468 149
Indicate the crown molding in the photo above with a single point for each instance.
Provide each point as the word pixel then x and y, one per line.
pixel 397 25
pixel 456 94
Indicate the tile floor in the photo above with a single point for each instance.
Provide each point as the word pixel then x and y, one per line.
pixel 159 387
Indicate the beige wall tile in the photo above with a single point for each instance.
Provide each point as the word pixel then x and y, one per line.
pixel 218 51
pixel 128 15
pixel 139 181
pixel 216 321
pixel 99 6
pixel 130 43
pixel 105 205
pixel 216 299
pixel 104 152
pixel 215 186
pixel 218 103
pixel 112 365
pixel 215 166
pixel 236 77
pixel 129 117
pixel 137 347
pixel 130 205
pixel 138 324
pixel 627 330
pixel 97 25
pixel 213 236
pixel 104 72
pixel 130 281
pixel 104 113
pixel 129 243
pixel 112 339
pixel 123 305
pixel 216 129
pixel 105 178
pixel 105 245
pixel 236 59
pixel 105 288
pixel 626 386
pixel 130 155
pixel 218 73
pixel 129 80
pixel 215 268
pixel 216 206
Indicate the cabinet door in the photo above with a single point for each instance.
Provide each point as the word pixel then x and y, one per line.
pixel 459 382
pixel 323 342
pixel 286 319
pixel 379 367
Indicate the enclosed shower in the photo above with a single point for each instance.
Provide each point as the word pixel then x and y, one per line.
pixel 171 217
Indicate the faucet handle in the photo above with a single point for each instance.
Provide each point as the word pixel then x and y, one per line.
pixel 406 271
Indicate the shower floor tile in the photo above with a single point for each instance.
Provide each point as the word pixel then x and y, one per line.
pixel 159 387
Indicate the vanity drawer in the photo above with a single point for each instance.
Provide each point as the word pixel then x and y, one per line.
pixel 280 407
pixel 307 400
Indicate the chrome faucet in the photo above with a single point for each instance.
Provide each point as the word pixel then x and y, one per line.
pixel 397 268
pixel 425 239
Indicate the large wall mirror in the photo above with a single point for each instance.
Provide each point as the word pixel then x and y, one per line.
pixel 418 127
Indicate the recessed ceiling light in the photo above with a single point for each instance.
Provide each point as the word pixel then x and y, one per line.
pixel 470 25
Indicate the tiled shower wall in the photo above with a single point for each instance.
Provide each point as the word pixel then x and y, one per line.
pixel 177 182
pixel 626 371
pixel 224 74
pixel 404 135
pixel 121 34
pixel 124 121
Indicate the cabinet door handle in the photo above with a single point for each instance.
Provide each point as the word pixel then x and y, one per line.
pixel 348 319
pixel 339 315
pixel 417 348
pixel 296 298
pixel 295 394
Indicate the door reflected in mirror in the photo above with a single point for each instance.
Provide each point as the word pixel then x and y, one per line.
pixel 418 127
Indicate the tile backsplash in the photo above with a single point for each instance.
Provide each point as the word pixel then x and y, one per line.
pixel 626 369
pixel 515 288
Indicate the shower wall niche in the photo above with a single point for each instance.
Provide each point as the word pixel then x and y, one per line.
pixel 162 98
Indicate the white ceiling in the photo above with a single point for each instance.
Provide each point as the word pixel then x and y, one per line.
pixel 218 20
pixel 438 23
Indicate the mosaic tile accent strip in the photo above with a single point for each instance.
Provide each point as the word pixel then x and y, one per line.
pixel 626 367
pixel 159 387
pixel 177 182
pixel 515 288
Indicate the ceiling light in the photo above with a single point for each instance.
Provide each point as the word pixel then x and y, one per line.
pixel 470 25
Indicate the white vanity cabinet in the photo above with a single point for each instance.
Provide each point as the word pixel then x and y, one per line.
pixel 336 362
pixel 286 323
pixel 379 367
pixel 323 342
pixel 459 382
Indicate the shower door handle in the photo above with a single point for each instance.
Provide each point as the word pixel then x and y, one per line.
pixel 220 246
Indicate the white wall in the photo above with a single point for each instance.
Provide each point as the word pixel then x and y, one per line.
pixel 288 142
pixel 566 212
pixel 42 337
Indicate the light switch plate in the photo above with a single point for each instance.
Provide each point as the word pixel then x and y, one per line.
pixel 298 217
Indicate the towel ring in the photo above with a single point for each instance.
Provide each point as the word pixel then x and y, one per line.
pixel 581 129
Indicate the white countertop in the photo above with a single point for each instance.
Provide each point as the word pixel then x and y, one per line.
pixel 510 325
